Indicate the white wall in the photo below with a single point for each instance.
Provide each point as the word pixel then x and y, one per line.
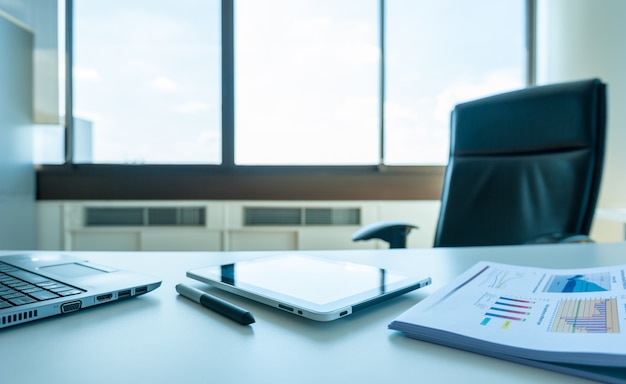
pixel 17 176
pixel 62 227
pixel 41 17
pixel 580 39
pixel 22 10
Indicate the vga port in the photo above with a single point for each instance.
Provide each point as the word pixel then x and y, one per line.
pixel 71 306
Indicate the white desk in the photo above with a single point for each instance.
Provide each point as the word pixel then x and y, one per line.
pixel 163 338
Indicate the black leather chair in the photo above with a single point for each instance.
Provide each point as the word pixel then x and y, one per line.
pixel 525 167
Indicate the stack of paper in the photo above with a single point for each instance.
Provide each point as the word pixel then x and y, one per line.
pixel 571 321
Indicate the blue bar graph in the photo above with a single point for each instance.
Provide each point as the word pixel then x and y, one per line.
pixel 587 316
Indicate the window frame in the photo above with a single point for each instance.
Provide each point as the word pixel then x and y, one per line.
pixel 228 181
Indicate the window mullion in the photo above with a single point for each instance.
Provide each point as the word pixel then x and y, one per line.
pixel 228 84
pixel 381 106
pixel 69 83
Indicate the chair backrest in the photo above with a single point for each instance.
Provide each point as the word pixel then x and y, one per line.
pixel 523 165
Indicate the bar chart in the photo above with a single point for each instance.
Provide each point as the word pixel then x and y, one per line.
pixel 586 316
pixel 510 308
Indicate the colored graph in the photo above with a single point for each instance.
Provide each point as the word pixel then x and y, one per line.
pixel 509 308
pixel 586 316
pixel 594 282
pixel 506 311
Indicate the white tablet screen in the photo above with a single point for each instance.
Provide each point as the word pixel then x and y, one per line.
pixel 313 279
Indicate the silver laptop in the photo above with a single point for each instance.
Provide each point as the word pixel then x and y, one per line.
pixel 38 285
pixel 310 286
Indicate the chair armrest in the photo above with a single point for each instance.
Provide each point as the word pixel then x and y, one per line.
pixel 393 232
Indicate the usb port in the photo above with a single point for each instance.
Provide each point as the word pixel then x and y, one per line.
pixel 105 297
pixel 123 294
pixel 285 307
pixel 141 290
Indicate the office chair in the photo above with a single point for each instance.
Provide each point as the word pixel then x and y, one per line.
pixel 524 167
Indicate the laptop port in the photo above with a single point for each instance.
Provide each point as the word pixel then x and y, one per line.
pixel 285 307
pixel 71 306
pixel 106 297
pixel 141 290
pixel 123 294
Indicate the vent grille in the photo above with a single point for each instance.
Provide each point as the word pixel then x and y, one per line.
pixel 144 216
pixel 301 216
pixel 273 216
pixel 19 317
pixel 114 216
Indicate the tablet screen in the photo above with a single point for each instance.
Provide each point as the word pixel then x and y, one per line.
pixel 307 282
pixel 312 279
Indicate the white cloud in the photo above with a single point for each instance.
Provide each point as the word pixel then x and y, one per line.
pixel 163 83
pixel 84 74
pixel 357 54
pixel 192 107
pixel 309 28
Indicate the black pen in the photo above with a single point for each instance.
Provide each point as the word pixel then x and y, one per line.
pixel 216 304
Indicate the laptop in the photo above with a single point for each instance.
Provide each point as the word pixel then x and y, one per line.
pixel 34 286
pixel 310 286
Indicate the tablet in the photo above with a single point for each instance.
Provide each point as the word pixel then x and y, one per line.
pixel 310 286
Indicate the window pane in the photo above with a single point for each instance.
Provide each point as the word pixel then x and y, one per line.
pixel 48 144
pixel 440 53
pixel 147 81
pixel 306 79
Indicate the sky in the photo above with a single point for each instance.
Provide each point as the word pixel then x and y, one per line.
pixel 147 77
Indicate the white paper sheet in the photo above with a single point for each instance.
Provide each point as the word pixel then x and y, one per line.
pixel 568 316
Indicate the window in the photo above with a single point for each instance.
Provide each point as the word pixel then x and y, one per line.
pixel 277 99
pixel 440 53
pixel 147 81
pixel 306 82
pixel 307 78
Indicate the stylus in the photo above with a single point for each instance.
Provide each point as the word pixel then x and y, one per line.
pixel 216 304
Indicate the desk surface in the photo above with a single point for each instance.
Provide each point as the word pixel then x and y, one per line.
pixel 163 338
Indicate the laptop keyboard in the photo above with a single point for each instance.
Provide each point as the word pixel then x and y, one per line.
pixel 19 287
